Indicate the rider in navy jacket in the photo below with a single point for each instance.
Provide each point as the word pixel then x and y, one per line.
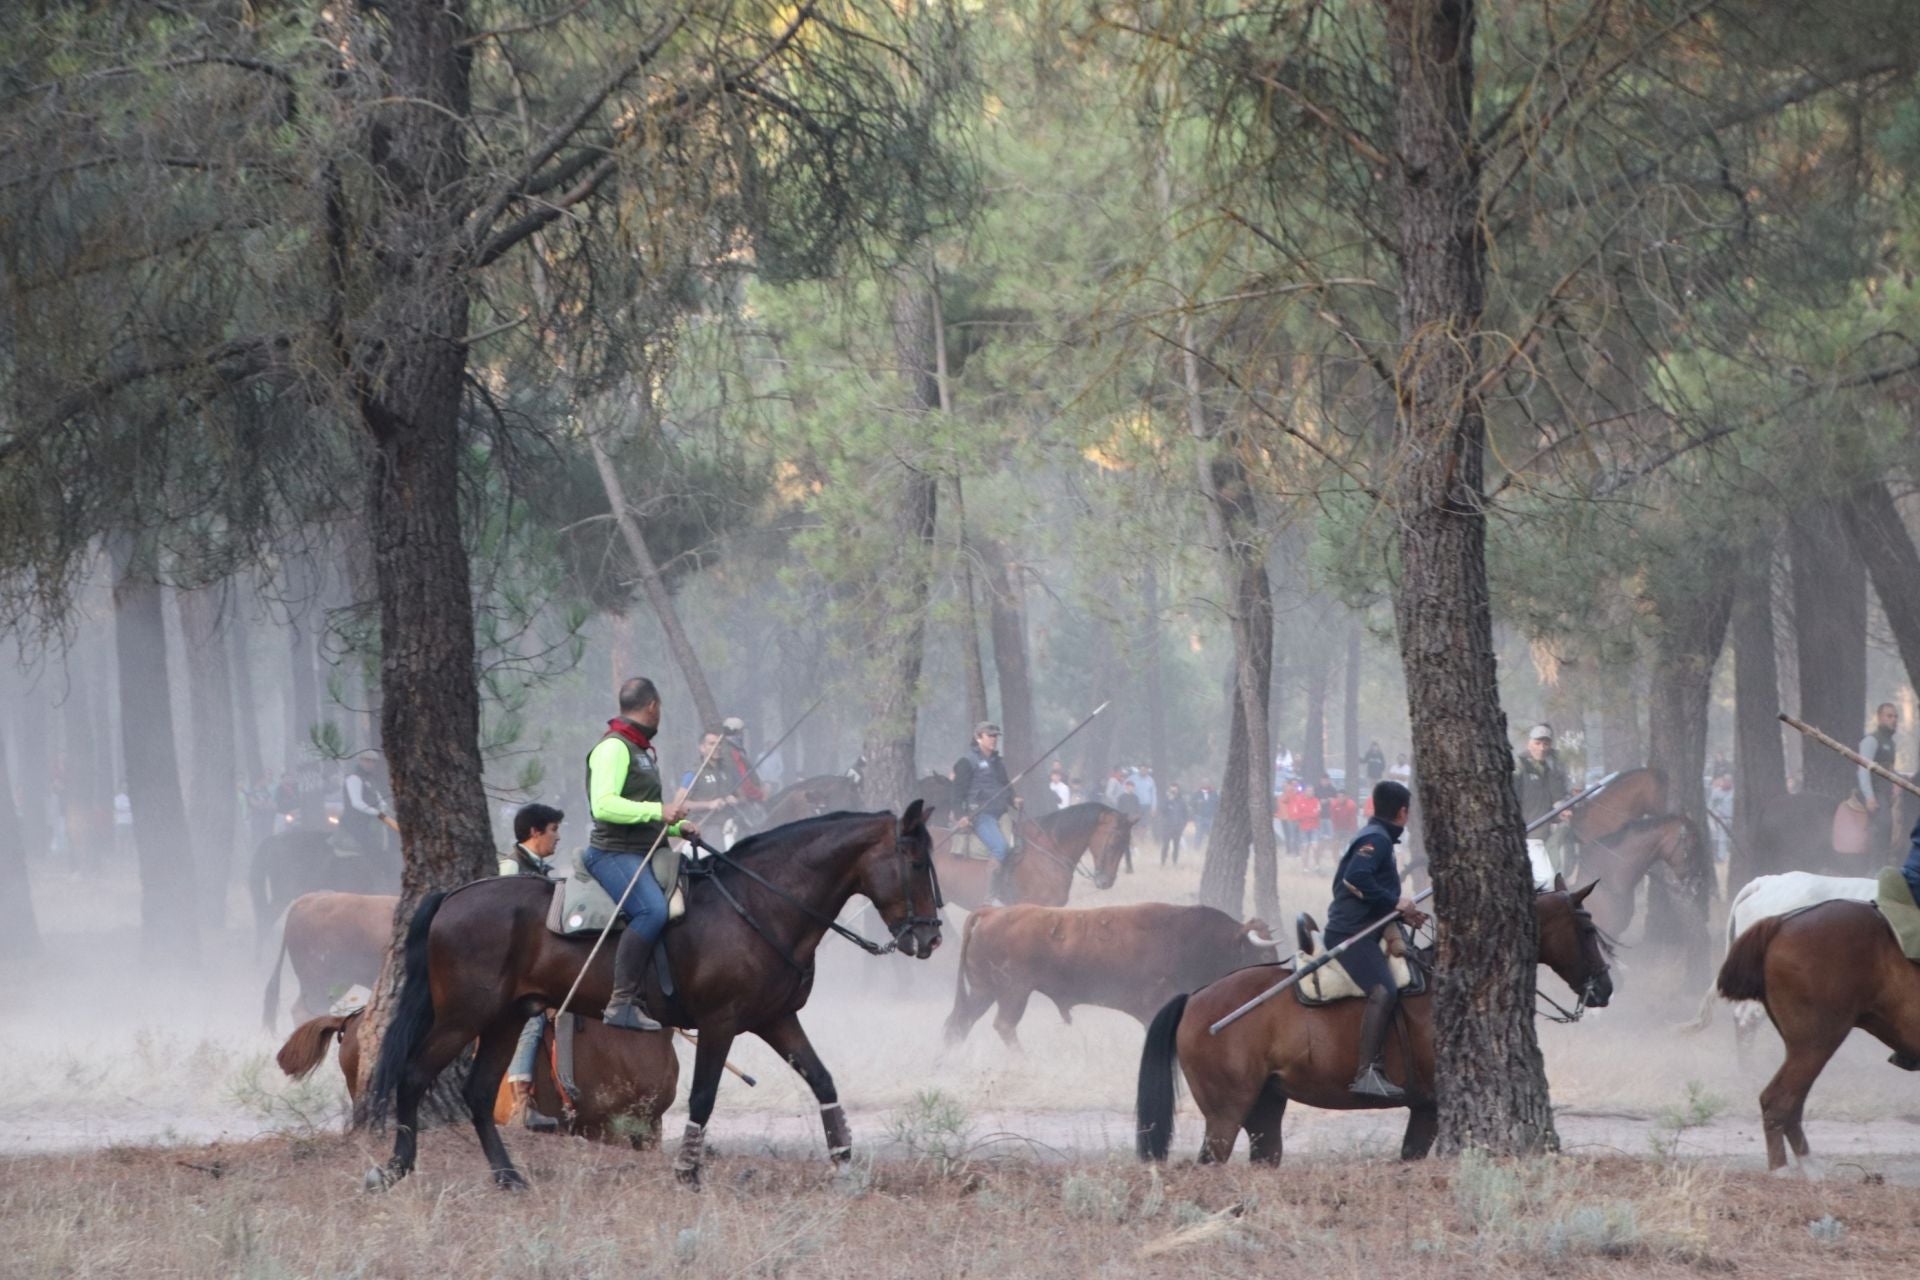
pixel 1366 890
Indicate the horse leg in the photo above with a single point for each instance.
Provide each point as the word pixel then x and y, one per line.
pixel 443 1045
pixel 709 1059
pixel 1013 1007
pixel 483 1086
pixel 788 1039
pixel 1784 1099
pixel 1423 1124
pixel 1262 1124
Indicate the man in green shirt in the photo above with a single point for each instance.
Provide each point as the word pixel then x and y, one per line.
pixel 624 798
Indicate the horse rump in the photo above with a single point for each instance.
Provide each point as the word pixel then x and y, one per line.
pixel 1743 974
pixel 307 1046
pixel 411 1020
pixel 1153 1103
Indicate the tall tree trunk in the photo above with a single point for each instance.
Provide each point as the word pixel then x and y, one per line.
pixel 1692 630
pixel 402 333
pixel 1880 539
pixel 1223 876
pixel 169 907
pixel 659 599
pixel 1760 761
pixel 911 498
pixel 1350 730
pixel 1007 622
pixel 1492 1082
pixel 1312 756
pixel 212 774
pixel 86 797
pixel 251 763
pixel 303 681
pixel 977 708
pixel 19 931
pixel 1830 638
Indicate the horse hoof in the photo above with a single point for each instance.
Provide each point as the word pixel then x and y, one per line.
pixel 688 1178
pixel 510 1180
pixel 377 1179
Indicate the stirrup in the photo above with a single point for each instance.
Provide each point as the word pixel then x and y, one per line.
pixel 1373 1083
pixel 628 1017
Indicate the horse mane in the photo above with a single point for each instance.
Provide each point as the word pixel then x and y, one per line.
pixel 1634 826
pixel 758 841
pixel 1075 821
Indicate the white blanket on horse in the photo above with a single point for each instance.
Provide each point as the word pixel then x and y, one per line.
pixel 1777 896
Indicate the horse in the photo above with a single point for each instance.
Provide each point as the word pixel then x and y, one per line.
pixel 1820 973
pixel 292 863
pixel 811 797
pixel 624 1080
pixel 480 961
pixel 1285 1051
pixel 1045 866
pixel 1794 832
pixel 1621 859
pixel 1636 793
pixel 336 941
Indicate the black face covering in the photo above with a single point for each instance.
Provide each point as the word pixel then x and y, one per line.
pixel 652 730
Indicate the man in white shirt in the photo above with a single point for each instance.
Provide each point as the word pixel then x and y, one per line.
pixel 1057 784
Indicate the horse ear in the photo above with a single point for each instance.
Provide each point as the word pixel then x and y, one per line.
pixel 1580 895
pixel 1559 883
pixel 915 817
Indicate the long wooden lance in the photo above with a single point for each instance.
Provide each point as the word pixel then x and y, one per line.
pixel 1877 771
pixel 1311 966
pixel 1015 779
pixel 1571 801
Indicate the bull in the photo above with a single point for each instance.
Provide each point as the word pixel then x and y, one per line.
pixel 1132 958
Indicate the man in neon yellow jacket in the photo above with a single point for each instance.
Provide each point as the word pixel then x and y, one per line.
pixel 624 797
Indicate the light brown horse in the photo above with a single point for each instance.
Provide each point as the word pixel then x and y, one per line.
pixel 1820 973
pixel 1620 860
pixel 1285 1051
pixel 1044 869
pixel 625 1079
pixel 480 961
pixel 1636 793
pixel 334 941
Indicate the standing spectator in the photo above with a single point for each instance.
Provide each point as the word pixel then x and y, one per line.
pixel 1282 768
pixel 1345 813
pixel 1402 771
pixel 1324 791
pixel 1205 802
pixel 1116 785
pixel 1303 815
pixel 1876 792
pixel 1720 807
pixel 1057 785
pixel 1144 791
pixel 1376 762
pixel 1171 824
pixel 1129 807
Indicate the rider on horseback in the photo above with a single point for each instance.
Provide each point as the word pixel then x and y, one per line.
pixel 536 831
pixel 1366 889
pixel 623 794
pixel 983 795
pixel 362 808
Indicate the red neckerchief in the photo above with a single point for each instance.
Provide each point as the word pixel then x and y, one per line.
pixel 632 732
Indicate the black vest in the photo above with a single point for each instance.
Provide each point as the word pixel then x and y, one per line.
pixel 642 784
pixel 1884 756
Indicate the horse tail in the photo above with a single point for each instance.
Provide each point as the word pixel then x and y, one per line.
pixel 1153 1103
pixel 412 1020
pixel 960 989
pixel 271 1013
pixel 308 1044
pixel 1743 975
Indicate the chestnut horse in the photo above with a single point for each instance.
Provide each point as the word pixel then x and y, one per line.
pixel 1285 1051
pixel 480 961
pixel 1636 793
pixel 1820 973
pixel 619 1075
pixel 1044 868
pixel 1622 859
pixel 335 941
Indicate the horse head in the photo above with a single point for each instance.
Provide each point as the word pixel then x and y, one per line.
pixel 1111 839
pixel 899 879
pixel 1572 945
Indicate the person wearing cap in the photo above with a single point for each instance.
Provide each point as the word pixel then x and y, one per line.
pixel 1540 780
pixel 984 795
pixel 1366 890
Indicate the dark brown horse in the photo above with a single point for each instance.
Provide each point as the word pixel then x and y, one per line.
pixel 1620 860
pixel 1820 973
pixel 1044 871
pixel 811 797
pixel 625 1079
pixel 1285 1051
pixel 480 961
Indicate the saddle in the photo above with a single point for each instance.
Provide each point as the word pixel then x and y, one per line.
pixel 580 905
pixel 967 846
pixel 1331 982
pixel 1894 900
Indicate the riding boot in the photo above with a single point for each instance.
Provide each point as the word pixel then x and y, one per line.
pixel 997 889
pixel 526 1113
pixel 629 968
pixel 1371 1081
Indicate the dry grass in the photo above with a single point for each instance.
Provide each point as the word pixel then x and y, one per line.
pixel 291 1207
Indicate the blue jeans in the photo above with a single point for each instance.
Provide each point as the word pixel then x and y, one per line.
pixel 521 1068
pixel 646 908
pixel 987 827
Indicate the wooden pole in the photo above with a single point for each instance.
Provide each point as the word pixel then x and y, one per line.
pixel 1858 759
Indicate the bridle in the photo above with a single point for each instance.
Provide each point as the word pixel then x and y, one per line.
pixel 1585 930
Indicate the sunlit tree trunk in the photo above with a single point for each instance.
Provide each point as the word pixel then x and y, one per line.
pixel 1830 639
pixel 1492 1082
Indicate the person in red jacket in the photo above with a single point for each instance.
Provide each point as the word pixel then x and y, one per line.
pixel 1303 812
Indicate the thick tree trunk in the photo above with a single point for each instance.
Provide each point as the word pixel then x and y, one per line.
pixel 1312 756
pixel 19 932
pixel 652 584
pixel 212 774
pixel 1223 876
pixel 911 498
pixel 169 905
pixel 1492 1081
pixel 1692 630
pixel 1881 540
pixel 1007 622
pixel 1830 638
pixel 1350 729
pixel 1760 759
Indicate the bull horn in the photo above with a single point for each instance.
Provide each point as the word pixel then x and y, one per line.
pixel 1257 940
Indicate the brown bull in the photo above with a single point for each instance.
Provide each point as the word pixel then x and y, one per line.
pixel 1132 958
pixel 626 1079
pixel 335 941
